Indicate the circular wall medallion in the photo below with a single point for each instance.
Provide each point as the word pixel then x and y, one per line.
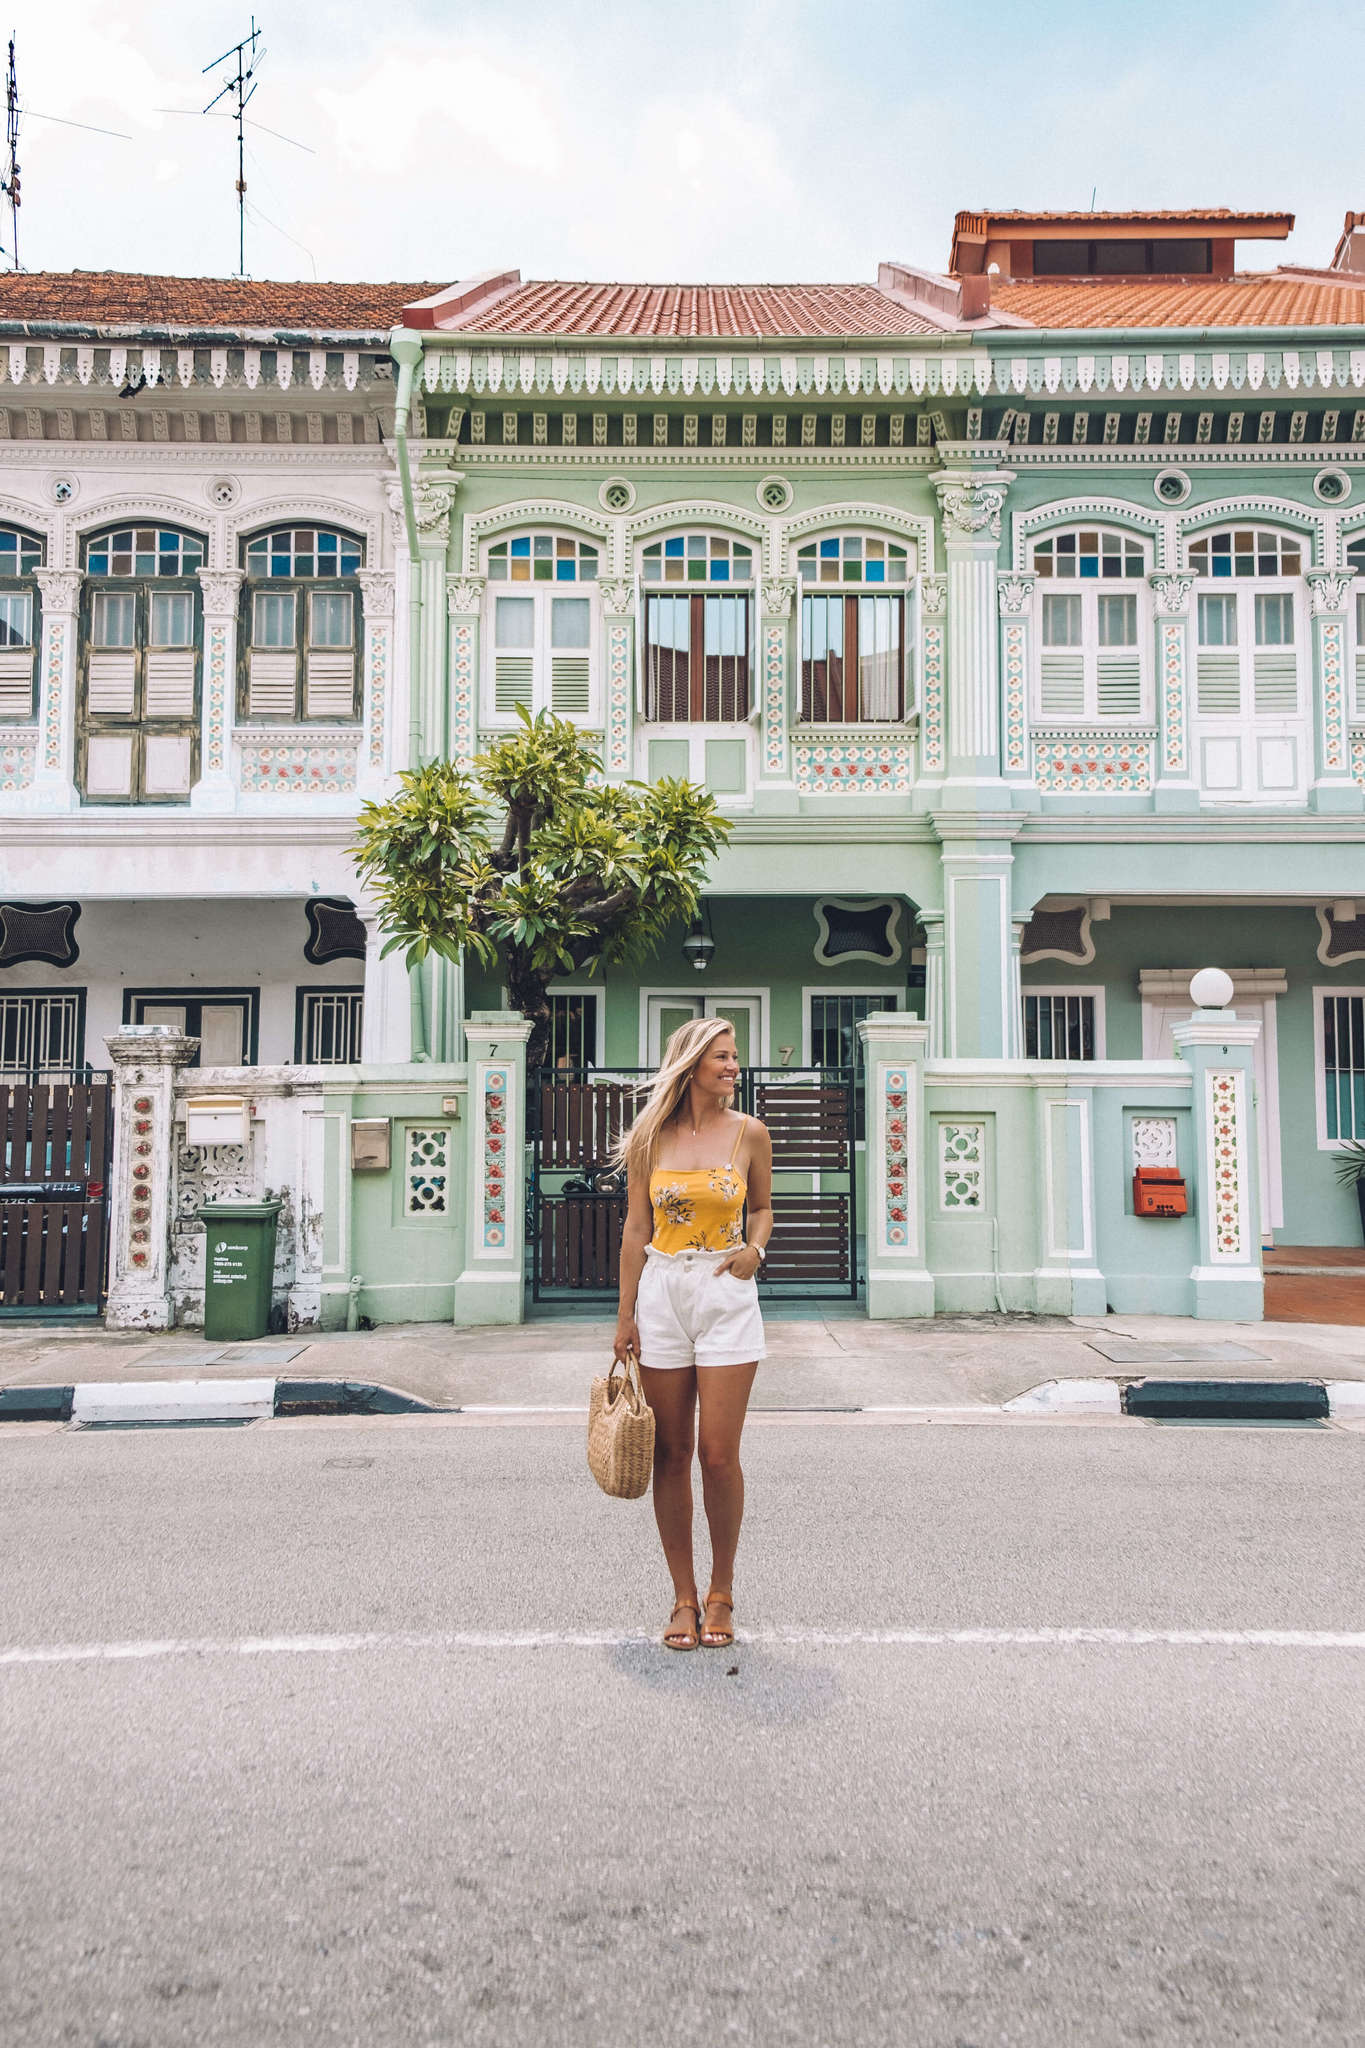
pixel 1332 486
pixel 62 489
pixel 774 494
pixel 617 494
pixel 223 491
pixel 1172 486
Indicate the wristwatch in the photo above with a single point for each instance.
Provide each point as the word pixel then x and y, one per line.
pixel 762 1255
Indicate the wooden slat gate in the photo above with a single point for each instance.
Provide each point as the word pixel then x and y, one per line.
pixel 54 1171
pixel 577 1200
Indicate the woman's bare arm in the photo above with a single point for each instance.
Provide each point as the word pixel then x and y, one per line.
pixel 639 1228
pixel 759 1176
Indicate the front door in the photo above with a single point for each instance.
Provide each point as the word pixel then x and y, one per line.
pixel 665 1013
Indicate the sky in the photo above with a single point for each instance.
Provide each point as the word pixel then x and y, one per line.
pixel 668 140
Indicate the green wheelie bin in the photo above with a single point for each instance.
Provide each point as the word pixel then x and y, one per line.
pixel 239 1262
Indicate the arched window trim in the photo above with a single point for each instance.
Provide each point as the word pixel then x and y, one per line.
pixel 1093 662
pixel 21 625
pixel 141 662
pixel 1249 627
pixel 693 544
pixel 542 633
pixel 904 544
pixel 300 637
pixel 854 634
pixel 1353 561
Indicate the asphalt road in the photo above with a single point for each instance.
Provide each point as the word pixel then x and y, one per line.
pixel 324 1732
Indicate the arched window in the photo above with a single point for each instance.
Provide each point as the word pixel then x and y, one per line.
pixel 20 555
pixel 1091 664
pixel 853 637
pixel 301 626
pixel 1248 693
pixel 542 639
pixel 697 639
pixel 1355 562
pixel 141 654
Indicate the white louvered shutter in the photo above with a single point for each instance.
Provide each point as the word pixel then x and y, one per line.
pixel 1063 691
pixel 170 683
pixel 16 682
pixel 1276 680
pixel 329 683
pixel 513 682
pixel 1118 683
pixel 1218 682
pixel 112 683
pixel 570 685
pixel 271 680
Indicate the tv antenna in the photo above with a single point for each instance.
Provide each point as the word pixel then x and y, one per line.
pixel 236 85
pixel 9 184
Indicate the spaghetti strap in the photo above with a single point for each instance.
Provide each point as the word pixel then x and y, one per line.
pixel 743 1127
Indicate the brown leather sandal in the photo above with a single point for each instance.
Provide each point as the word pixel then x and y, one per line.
pixel 717 1638
pixel 683 1638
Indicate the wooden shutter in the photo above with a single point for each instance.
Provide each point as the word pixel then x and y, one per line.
pixel 16 682
pixel 170 683
pixel 1063 691
pixel 272 683
pixel 112 683
pixel 329 683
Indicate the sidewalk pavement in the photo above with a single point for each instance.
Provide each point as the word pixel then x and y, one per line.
pixel 812 1363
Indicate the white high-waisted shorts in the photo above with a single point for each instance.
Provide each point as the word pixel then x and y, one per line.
pixel 689 1314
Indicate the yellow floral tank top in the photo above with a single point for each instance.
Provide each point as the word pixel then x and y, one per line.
pixel 699 1208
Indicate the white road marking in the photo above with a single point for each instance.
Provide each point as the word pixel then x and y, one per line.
pixel 786 1638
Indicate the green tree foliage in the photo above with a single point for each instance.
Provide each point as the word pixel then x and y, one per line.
pixel 529 863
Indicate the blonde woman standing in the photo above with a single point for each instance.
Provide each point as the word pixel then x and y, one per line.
pixel 689 1303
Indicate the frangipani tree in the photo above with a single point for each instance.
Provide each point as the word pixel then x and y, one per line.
pixel 531 863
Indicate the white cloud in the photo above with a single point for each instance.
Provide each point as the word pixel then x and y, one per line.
pixel 405 115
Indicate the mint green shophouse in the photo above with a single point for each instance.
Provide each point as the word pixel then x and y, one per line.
pixel 1016 617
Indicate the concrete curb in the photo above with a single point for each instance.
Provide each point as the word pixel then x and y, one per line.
pixel 1197 1400
pixel 95 1402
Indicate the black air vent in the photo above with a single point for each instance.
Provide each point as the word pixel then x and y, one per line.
pixel 334 930
pixel 38 931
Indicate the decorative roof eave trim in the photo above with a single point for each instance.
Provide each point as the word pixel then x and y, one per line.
pixel 235 335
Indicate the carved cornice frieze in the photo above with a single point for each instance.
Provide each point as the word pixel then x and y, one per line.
pixel 971 511
pixel 61 588
pixel 433 500
pixel 220 588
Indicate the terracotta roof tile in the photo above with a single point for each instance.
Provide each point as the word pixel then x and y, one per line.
pixel 1270 299
pixel 1203 214
pixel 693 311
pixel 112 298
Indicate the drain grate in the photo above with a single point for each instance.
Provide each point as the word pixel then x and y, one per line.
pixel 1146 1351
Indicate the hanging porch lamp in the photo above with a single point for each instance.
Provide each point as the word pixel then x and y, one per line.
pixel 700 944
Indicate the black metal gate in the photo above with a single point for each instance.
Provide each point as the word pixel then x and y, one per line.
pixel 54 1173
pixel 576 1200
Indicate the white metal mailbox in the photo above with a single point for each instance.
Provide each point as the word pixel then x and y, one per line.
pixel 217 1120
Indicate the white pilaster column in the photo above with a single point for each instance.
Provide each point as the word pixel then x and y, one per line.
pixel 775 701
pixel 1227 1278
pixel 1015 597
pixel 491 1288
pixel 895 1047
pixel 216 789
pixel 386 1024
pixel 145 1059
pixel 464 606
pixel 935 979
pixel 54 787
pixel 971 496
pixel 933 683
pixel 1175 784
pixel 981 980
pixel 618 697
pixel 1334 786
pixel 373 767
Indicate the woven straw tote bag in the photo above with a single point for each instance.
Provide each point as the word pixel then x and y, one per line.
pixel 620 1432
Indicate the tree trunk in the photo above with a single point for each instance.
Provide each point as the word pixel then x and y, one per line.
pixel 528 988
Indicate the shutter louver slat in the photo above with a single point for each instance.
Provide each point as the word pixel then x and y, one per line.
pixel 170 684
pixel 1219 684
pixel 1063 694
pixel 329 688
pixel 513 682
pixel 570 685
pixel 271 680
pixel 112 681
pixel 1360 682
pixel 1119 687
pixel 1277 683
pixel 16 682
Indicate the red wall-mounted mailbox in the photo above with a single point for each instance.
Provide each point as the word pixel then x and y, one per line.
pixel 1159 1191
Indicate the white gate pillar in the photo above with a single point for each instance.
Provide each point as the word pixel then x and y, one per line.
pixel 145 1059
pixel 895 1046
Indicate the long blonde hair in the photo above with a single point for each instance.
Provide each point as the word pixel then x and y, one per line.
pixel 637 1147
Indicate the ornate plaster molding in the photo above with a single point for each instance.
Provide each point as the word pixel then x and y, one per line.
pixel 1171 592
pixel 221 588
pixel 1329 591
pixel 377 586
pixel 433 500
pixel 1014 595
pixel 464 594
pixel 933 595
pixel 1278 511
pixel 61 588
pixel 1153 526
pixel 779 594
pixel 971 510
pixel 618 599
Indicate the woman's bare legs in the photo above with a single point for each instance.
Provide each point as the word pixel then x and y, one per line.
pixel 723 1392
pixel 673 1397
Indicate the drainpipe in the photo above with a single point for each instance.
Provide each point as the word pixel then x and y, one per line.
pixel 406 350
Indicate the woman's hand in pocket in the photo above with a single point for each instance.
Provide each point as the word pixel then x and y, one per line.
pixel 741 1265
